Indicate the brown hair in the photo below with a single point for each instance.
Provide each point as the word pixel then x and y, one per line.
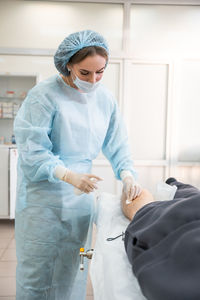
pixel 88 51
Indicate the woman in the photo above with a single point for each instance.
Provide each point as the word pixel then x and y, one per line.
pixel 61 127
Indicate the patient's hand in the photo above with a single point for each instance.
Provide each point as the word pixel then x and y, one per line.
pixel 130 210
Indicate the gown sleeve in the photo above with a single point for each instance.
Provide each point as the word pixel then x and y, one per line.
pixel 116 147
pixel 32 128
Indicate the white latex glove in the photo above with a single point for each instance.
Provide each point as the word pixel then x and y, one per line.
pixel 82 182
pixel 131 188
pixel 78 192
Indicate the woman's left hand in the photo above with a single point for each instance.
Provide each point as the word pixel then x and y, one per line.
pixel 131 188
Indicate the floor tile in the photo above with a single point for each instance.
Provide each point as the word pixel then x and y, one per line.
pixel 7 286
pixel 87 298
pixel 7 269
pixel 8 263
pixel 11 245
pixel 4 242
pixel 7 298
pixel 6 234
pixel 89 287
pixel 1 252
pixel 9 255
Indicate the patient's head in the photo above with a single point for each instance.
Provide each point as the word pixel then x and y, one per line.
pixel 130 210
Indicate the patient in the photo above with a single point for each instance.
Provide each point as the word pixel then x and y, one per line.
pixel 163 243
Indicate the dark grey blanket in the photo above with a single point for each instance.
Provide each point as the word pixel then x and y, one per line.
pixel 163 246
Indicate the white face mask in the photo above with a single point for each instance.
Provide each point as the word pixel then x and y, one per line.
pixel 84 86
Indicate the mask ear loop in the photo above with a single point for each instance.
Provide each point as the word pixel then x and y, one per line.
pixel 72 74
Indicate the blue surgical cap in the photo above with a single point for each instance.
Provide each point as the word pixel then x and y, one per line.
pixel 75 42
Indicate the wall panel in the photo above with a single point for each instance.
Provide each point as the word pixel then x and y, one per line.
pixel 188 112
pixel 39 24
pixel 146 110
pixel 42 66
pixel 111 80
pixel 165 31
pixel 189 175
pixel 112 76
pixel 149 176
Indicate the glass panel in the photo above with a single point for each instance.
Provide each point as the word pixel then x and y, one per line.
pixel 13 90
pixel 39 24
pixel 188 113
pixel 111 78
pixel 148 177
pixel 145 110
pixel 189 175
pixel 165 31
pixel 38 65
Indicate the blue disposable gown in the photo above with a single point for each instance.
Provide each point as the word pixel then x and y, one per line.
pixel 58 125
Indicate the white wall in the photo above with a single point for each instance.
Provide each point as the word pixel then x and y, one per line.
pixel 164 32
pixel 153 72
pixel 38 24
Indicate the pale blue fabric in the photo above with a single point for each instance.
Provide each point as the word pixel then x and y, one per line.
pixel 75 42
pixel 58 125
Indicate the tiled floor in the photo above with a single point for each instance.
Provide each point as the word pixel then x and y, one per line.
pixel 8 263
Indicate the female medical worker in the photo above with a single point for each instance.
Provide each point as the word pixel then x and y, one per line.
pixel 61 127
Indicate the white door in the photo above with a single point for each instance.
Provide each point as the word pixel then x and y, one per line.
pixel 4 187
pixel 13 180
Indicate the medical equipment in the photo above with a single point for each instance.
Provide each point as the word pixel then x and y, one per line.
pixel 88 254
pixel 10 94
pixel 2 139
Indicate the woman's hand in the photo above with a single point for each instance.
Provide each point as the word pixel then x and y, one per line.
pixel 84 182
pixel 131 188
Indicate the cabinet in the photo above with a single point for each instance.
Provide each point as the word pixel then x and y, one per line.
pixel 13 90
pixel 4 181
pixel 8 181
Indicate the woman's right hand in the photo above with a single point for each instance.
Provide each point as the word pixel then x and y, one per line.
pixel 84 182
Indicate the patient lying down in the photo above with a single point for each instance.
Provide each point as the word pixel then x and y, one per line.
pixel 163 243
